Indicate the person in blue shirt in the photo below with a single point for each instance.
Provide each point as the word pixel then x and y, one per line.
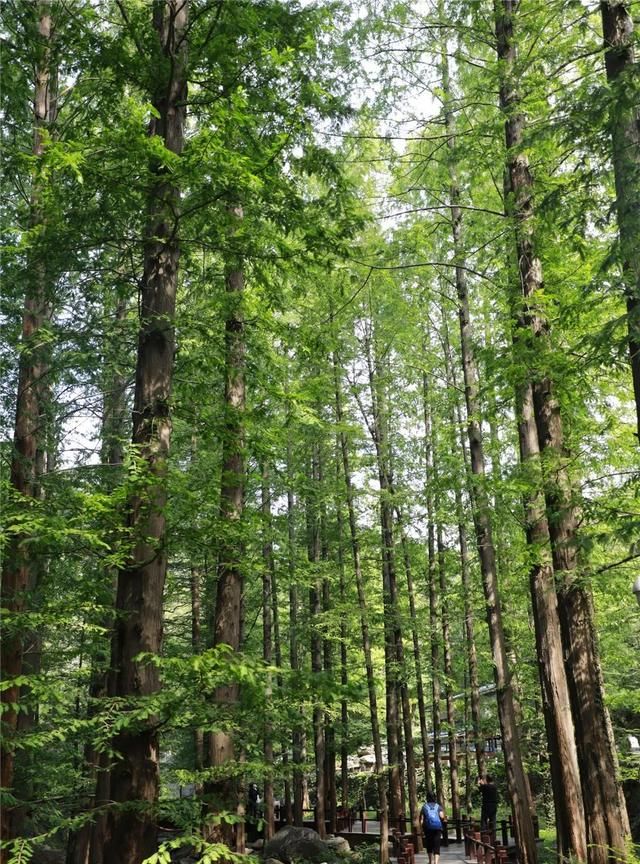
pixel 432 818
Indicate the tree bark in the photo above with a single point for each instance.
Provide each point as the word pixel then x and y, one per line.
pixel 87 845
pixel 331 803
pixel 448 680
pixel 135 774
pixel 434 614
pixel 315 612
pixel 424 735
pixel 298 736
pixel 517 784
pixel 563 758
pixel 17 567
pixel 571 827
pixel 288 803
pixel 620 64
pixel 604 807
pixel 224 795
pixel 379 434
pixel 329 730
pixel 196 646
pixel 516 778
pixel 455 420
pixel 268 567
pixel 344 635
pixel 364 624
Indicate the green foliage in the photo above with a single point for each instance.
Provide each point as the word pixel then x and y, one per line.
pixel 325 121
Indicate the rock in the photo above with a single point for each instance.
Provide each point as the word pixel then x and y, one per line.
pixel 272 861
pixel 293 844
pixel 257 844
pixel 338 844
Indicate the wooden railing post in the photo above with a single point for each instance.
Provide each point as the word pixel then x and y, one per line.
pixel 478 844
pixel 487 848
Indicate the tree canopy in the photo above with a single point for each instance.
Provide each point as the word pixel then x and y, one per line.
pixel 320 415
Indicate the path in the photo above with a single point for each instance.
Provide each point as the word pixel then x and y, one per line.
pixel 453 854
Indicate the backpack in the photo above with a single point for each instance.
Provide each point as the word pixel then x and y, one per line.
pixel 432 817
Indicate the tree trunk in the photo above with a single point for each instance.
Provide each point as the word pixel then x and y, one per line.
pixel 196 647
pixel 455 420
pixel 17 566
pixel 344 635
pixel 364 625
pixel 299 748
pixel 563 758
pixel 434 636
pixel 517 784
pixel 267 650
pixel 315 612
pixel 87 845
pixel 275 611
pixel 620 64
pixel 331 805
pixel 424 735
pixel 448 680
pixel 378 431
pixel 516 778
pixel 605 808
pixel 224 794
pixel 329 729
pixel 605 812
pixel 565 775
pixel 135 775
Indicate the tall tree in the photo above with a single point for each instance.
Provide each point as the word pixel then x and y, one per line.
pixel 139 599
pixel 413 616
pixel 620 64
pixel 268 567
pixel 605 812
pixel 18 566
pixel 381 781
pixel 378 430
pixel 448 676
pixel 434 606
pixel 455 421
pixel 228 616
pixel 518 786
pixel 298 742
pixel 315 610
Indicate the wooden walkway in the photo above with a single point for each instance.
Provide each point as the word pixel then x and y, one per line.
pixel 453 854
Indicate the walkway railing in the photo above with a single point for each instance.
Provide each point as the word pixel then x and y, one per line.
pixel 454 831
pixel 482 847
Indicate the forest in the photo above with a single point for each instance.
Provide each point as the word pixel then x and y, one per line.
pixel 320 424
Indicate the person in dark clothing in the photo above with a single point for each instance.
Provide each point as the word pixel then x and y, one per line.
pixel 254 797
pixel 489 807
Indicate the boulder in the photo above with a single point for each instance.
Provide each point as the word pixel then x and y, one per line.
pixel 338 844
pixel 299 844
pixel 257 844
